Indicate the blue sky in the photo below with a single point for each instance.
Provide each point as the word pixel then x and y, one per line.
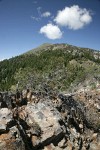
pixel 26 24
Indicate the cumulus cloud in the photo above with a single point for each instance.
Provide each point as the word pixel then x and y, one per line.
pixel 51 31
pixel 46 14
pixel 73 17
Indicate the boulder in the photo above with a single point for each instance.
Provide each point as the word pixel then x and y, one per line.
pixel 6 119
pixel 43 120
pixel 94 146
pixel 11 140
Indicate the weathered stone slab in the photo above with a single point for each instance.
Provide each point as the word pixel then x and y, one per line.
pixel 47 119
pixel 6 117
pixel 11 140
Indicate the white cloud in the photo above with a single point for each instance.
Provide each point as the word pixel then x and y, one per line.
pixel 39 11
pixel 35 2
pixel 40 15
pixel 46 14
pixel 36 18
pixel 73 17
pixel 51 31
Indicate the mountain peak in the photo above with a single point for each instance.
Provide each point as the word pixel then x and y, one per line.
pixel 41 47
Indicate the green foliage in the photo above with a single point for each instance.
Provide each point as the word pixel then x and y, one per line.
pixel 59 68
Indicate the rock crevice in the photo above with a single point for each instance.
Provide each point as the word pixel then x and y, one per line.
pixel 57 122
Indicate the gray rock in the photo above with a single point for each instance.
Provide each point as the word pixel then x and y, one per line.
pixel 6 119
pixel 47 119
pixel 94 146
pixel 11 140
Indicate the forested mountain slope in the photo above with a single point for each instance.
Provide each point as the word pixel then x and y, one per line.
pixel 60 67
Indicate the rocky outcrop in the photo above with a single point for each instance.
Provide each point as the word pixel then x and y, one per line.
pixel 31 121
pixel 10 138
pixel 41 123
pixel 6 119
pixel 91 101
